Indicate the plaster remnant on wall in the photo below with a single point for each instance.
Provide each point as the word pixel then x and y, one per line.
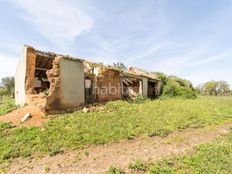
pixel 30 70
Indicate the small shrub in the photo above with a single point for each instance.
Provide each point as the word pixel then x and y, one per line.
pixel 47 169
pixel 160 132
pixel 55 150
pixel 26 153
pixel 114 170
pixel 4 125
pixel 139 99
pixel 137 166
pixel 86 153
pixel 10 154
pixel 7 106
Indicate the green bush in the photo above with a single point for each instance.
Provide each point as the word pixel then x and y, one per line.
pixel 7 106
pixel 139 99
pixel 176 87
pixel 114 170
pixel 4 125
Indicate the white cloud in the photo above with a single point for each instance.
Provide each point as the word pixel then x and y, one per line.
pixel 8 65
pixel 57 20
pixel 192 55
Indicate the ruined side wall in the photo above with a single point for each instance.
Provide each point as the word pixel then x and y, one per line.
pixel 66 85
pixel 24 78
pixel 108 85
pixel 20 77
pixel 72 92
pixel 53 99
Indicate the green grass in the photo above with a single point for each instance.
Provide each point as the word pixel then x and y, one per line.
pixel 211 158
pixel 114 170
pixel 119 120
pixel 6 105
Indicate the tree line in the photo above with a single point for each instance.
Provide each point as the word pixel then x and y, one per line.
pixel 7 86
pixel 214 88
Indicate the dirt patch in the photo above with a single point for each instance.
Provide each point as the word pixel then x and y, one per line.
pixel 15 116
pixel 97 159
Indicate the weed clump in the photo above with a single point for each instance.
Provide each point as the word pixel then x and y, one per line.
pixel 115 170
pixel 140 99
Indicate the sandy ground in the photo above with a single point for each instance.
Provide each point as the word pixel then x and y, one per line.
pixel 15 116
pixel 97 159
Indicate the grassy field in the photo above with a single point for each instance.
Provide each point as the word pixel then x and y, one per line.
pixel 6 105
pixel 214 157
pixel 119 120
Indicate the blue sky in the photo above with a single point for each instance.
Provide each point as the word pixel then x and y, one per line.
pixel 188 38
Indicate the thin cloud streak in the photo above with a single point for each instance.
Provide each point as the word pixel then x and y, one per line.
pixel 59 21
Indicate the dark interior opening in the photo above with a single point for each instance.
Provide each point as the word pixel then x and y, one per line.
pixel 151 92
pixel 89 98
pixel 130 88
pixel 42 65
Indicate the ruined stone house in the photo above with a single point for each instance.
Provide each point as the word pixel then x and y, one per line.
pixel 57 82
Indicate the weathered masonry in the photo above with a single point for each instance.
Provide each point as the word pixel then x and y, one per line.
pixel 57 82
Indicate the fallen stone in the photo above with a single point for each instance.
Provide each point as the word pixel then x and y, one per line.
pixel 85 110
pixel 26 117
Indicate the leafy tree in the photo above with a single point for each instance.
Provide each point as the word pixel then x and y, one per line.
pixel 210 88
pixel 9 84
pixel 224 88
pixel 216 88
pixel 3 91
pixel 176 87
pixel 120 66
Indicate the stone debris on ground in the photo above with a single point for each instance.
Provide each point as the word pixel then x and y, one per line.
pixel 85 110
pixel 93 108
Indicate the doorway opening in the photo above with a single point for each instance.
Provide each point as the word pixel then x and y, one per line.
pixel 42 65
pixel 151 92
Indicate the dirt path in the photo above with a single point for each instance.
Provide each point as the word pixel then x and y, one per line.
pixel 97 159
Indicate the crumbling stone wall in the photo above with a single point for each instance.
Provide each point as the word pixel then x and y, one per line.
pixel 53 99
pixel 108 85
pixel 66 91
